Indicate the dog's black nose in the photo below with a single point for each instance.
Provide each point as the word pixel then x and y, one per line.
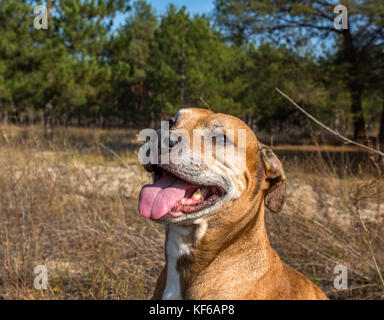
pixel 167 140
pixel 173 140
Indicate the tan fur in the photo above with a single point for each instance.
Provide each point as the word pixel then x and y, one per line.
pixel 231 257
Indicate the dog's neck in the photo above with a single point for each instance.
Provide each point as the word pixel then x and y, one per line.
pixel 190 249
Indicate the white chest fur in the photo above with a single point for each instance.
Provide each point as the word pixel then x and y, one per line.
pixel 176 246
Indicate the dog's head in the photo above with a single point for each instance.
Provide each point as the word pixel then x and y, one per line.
pixel 209 162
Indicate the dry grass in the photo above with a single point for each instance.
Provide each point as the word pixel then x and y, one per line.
pixel 71 205
pixel 75 213
pixel 332 218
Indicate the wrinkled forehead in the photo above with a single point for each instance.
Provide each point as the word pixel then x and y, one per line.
pixel 195 118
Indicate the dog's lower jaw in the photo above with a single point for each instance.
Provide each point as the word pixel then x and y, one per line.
pixel 230 185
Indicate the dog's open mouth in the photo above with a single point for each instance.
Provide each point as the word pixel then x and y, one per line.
pixel 170 195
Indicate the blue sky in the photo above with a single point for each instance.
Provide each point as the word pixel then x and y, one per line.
pixel 160 6
pixel 193 6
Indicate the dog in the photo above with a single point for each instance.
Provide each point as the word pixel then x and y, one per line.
pixel 216 241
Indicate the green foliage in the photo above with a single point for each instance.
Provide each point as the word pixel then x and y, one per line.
pixel 85 70
pixel 208 62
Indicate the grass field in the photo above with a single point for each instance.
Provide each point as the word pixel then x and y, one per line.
pixel 71 204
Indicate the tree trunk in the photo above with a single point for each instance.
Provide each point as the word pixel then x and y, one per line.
pixel 153 120
pixel 357 112
pixel 5 117
pixel 354 84
pixel 182 77
pixel 381 132
pixel 47 120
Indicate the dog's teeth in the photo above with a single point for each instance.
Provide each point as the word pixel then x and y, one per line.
pixel 182 201
pixel 197 195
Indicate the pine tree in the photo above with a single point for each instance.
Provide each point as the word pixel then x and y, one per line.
pixel 189 60
pixel 296 21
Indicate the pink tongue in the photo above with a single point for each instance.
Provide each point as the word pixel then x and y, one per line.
pixel 157 199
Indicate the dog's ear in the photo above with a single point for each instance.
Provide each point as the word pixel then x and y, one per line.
pixel 275 194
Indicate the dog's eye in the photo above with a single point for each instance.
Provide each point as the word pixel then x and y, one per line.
pixel 222 139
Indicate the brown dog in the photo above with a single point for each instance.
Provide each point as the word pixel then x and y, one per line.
pixel 216 242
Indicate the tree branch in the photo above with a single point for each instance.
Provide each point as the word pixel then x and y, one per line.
pixel 346 140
